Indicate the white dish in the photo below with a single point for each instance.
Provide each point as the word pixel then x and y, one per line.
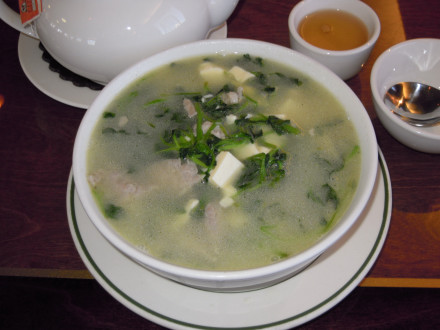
pixel 415 60
pixel 285 305
pixel 49 82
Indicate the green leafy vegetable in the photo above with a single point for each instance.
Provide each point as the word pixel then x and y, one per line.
pixel 269 89
pixel 325 195
pixel 153 102
pixel 109 115
pixel 355 151
pixel 109 130
pixel 112 211
pixel 282 255
pixel 280 126
pixel 162 113
pixel 268 81
pixel 336 166
pixel 214 108
pixel 267 230
pixel 256 60
pixel 292 80
pixel 199 211
pixel 262 168
pixel 261 77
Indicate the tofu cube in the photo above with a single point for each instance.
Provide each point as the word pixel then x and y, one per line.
pixel 240 74
pixel 225 202
pixel 275 139
pixel 123 120
pixel 229 191
pixel 295 112
pixel 263 149
pixel 280 116
pixel 211 72
pixel 245 151
pixel 228 167
pixel 192 203
pixel 230 119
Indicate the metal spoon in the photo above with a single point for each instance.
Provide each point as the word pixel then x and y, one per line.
pixel 417 104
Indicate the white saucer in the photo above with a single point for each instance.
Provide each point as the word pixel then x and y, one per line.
pixel 49 82
pixel 291 303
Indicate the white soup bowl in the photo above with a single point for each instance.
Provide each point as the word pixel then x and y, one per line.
pixel 244 279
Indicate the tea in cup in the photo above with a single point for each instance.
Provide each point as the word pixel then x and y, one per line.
pixel 337 33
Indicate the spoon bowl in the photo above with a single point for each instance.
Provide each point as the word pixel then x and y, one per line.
pixel 416 103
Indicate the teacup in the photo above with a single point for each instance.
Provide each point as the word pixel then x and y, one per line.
pixel 345 63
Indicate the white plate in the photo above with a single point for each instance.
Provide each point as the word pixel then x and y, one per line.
pixel 49 82
pixel 291 303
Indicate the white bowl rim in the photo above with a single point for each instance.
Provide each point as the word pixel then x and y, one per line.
pixel 371 40
pixel 137 71
pixel 420 131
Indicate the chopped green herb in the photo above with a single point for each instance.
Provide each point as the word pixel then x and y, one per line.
pixel 325 195
pixel 296 81
pixel 355 151
pixel 280 126
pixel 282 255
pixel 178 117
pixel 331 195
pixel 261 77
pixel 146 104
pixel 267 229
pixel 269 89
pixel 198 212
pixel 109 130
pixel 162 113
pixel 109 115
pixel 256 60
pixel 112 211
pixel 262 168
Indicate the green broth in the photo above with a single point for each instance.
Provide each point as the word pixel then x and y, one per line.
pixel 150 195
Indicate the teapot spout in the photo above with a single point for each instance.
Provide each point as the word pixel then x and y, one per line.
pixel 220 10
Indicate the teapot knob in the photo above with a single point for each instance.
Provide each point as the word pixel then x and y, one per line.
pixel 220 10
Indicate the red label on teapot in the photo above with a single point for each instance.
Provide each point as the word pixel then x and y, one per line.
pixel 29 10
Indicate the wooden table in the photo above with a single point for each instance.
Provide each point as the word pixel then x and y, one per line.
pixel 43 281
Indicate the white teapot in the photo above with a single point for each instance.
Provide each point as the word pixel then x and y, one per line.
pixel 98 39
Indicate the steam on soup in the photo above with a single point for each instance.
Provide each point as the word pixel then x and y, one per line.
pixel 223 163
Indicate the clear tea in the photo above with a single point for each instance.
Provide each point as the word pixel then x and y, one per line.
pixel 333 30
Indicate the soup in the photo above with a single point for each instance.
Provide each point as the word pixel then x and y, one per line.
pixel 333 30
pixel 223 162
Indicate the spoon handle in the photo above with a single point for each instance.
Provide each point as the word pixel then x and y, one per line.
pixel 419 122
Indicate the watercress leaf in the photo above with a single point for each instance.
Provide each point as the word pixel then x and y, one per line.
pixel 269 89
pixel 331 195
pixel 109 114
pixel 112 211
pixel 281 126
pixel 110 130
pixel 155 101
pixel 261 77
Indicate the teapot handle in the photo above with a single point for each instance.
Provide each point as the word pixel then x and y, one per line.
pixel 12 18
